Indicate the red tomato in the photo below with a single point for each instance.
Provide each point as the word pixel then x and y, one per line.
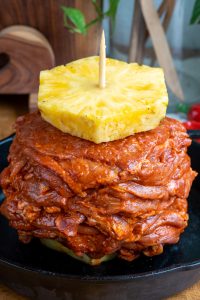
pixel 191 125
pixel 194 113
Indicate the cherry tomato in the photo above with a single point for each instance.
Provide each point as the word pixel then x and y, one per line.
pixel 191 125
pixel 194 113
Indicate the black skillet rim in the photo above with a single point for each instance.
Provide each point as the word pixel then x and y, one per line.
pixel 174 268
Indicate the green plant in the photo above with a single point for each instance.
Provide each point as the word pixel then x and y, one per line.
pixel 195 19
pixel 74 19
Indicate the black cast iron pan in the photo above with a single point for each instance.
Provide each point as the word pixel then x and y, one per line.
pixel 40 273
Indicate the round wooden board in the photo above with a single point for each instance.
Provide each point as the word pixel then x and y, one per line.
pixel 34 53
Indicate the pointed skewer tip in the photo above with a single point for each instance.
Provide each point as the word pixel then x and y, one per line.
pixel 102 62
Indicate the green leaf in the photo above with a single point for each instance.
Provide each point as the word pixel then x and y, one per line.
pixel 112 11
pixel 195 19
pixel 93 22
pixel 97 8
pixel 76 18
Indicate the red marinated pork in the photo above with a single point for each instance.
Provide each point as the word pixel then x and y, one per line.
pixel 127 196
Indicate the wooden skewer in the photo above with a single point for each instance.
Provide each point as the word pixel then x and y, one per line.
pixel 102 62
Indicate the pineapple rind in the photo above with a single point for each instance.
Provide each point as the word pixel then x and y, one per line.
pixel 134 100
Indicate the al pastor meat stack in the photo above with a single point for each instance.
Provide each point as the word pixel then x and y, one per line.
pixel 124 197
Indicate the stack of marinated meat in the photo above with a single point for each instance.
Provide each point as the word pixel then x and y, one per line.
pixel 126 197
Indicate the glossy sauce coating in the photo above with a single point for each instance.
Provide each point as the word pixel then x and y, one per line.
pixel 126 196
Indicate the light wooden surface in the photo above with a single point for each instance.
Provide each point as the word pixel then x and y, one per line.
pixel 9 110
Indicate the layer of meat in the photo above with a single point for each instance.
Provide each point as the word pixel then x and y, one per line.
pixel 126 196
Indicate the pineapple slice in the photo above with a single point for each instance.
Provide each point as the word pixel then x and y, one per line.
pixel 55 245
pixel 134 99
